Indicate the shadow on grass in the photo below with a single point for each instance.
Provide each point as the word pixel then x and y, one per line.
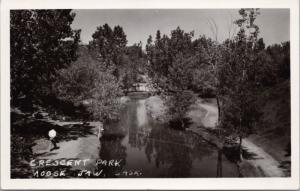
pixel 35 129
pixel 26 131
pixel 233 154
pixel 249 155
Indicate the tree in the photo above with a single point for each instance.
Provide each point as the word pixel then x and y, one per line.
pixel 238 77
pixel 280 55
pixel 41 42
pixel 168 54
pixel 209 55
pixel 87 80
pixel 171 69
pixel 133 66
pixel 109 46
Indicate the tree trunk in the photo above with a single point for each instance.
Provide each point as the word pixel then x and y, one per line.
pixel 238 170
pixel 240 148
pixel 219 164
pixel 219 109
pixel 219 115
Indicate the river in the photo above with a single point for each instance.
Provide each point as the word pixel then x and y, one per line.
pixel 153 149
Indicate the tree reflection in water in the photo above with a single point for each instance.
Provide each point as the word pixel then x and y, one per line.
pixel 175 150
pixel 219 164
pixel 171 150
pixel 112 149
pixel 159 150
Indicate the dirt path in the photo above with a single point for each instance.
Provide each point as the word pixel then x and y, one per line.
pixel 264 163
pixel 83 147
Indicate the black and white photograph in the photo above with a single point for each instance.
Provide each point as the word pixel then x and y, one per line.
pixel 150 93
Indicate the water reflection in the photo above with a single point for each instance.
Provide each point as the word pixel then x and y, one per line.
pixel 112 149
pixel 141 114
pixel 171 150
pixel 159 151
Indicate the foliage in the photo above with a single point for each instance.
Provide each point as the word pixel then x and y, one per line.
pixel 171 68
pixel 169 64
pixel 108 45
pixel 86 80
pixel 233 71
pixel 239 77
pixel 126 62
pixel 209 53
pixel 41 42
pixel 133 66
pixel 280 55
pixel 177 105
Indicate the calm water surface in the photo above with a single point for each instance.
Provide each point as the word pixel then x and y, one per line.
pixel 155 150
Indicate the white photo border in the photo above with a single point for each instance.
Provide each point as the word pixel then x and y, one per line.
pixel 148 183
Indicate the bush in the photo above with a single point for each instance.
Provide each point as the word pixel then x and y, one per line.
pixel 87 82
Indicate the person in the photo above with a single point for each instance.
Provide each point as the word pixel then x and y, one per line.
pixel 52 135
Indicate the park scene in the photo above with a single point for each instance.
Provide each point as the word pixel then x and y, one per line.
pixel 150 93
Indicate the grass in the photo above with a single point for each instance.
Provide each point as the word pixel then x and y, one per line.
pixel 273 132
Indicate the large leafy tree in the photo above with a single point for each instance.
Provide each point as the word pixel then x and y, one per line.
pixel 134 62
pixel 171 68
pixel 109 46
pixel 41 42
pixel 87 81
pixel 208 54
pixel 169 60
pixel 239 77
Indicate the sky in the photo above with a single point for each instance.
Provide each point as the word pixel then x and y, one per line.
pixel 138 24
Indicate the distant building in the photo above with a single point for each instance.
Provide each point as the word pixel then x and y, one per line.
pixel 143 86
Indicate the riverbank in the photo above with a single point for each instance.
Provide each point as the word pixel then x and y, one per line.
pixel 204 115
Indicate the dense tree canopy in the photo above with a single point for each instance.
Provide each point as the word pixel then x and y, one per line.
pixel 41 42
pixel 169 60
pixel 280 55
pixel 171 66
pixel 233 71
pixel 87 81
pixel 109 46
pixel 104 69
pixel 133 67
